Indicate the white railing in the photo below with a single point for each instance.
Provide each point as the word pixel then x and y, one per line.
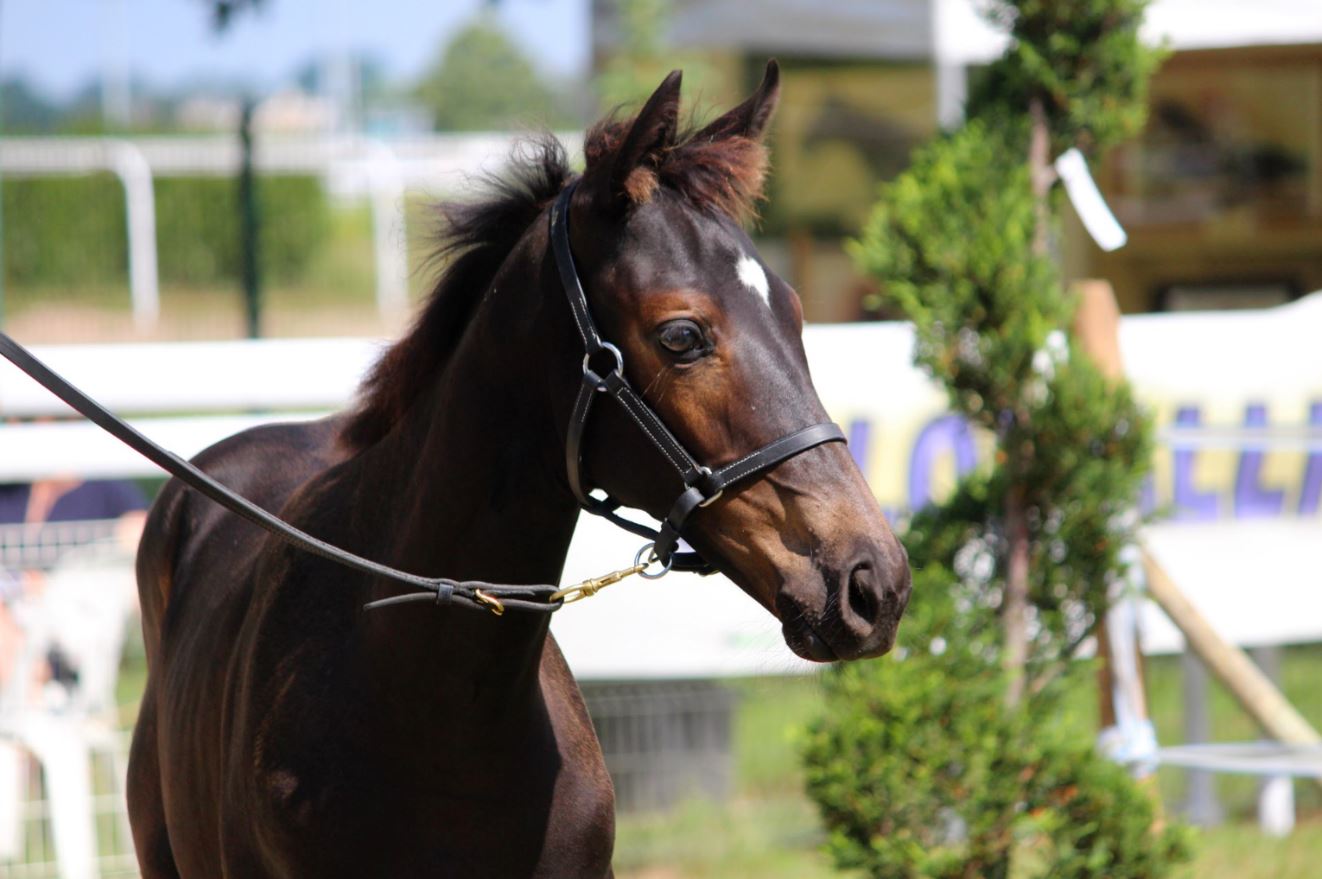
pixel 381 170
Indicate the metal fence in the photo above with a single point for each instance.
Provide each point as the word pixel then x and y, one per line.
pixel 46 545
pixel 63 756
pixel 664 741
pixel 33 854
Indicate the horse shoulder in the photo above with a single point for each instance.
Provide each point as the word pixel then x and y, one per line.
pixel 584 827
pixel 196 580
pixel 264 464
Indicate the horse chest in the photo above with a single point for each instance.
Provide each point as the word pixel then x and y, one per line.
pixel 534 803
pixel 539 821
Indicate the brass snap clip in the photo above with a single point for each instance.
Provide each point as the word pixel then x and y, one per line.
pixel 490 601
pixel 589 588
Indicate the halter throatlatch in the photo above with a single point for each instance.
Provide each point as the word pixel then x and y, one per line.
pixel 603 373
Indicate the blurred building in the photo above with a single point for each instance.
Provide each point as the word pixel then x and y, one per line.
pixel 1221 195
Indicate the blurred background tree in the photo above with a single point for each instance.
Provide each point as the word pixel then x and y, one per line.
pixel 951 760
pixel 645 56
pixel 483 81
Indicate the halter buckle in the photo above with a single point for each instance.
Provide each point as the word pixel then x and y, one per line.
pixel 706 471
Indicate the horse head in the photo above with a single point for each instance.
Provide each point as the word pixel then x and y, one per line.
pixel 711 339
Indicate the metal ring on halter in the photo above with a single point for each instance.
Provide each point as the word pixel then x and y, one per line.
pixel 706 471
pixel 619 363
pixel 638 560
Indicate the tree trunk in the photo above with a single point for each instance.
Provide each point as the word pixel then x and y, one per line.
pixel 1041 173
pixel 1014 610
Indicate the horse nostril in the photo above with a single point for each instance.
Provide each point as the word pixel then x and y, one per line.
pixel 863 592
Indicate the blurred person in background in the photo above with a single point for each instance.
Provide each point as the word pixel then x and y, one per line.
pixel 50 501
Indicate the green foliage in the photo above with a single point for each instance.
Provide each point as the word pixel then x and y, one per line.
pixel 929 766
pixel 484 82
pixel 939 240
pixel 1082 59
pixel 920 772
pixel 198 228
pixel 70 231
pixel 64 230
pixel 644 57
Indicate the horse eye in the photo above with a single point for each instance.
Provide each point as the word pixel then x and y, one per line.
pixel 683 338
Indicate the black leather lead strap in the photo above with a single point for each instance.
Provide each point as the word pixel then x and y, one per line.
pixel 466 593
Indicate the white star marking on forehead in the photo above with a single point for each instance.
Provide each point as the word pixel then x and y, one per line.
pixel 751 273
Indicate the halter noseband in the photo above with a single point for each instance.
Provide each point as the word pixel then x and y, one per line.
pixel 603 373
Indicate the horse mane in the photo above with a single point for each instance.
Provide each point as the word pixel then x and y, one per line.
pixel 722 174
pixel 473 240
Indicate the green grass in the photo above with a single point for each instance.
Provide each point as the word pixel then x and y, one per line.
pixel 767 837
pixel 1301 672
pixel 1241 851
pixel 770 829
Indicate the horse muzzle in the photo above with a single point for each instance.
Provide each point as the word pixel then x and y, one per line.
pixel 852 611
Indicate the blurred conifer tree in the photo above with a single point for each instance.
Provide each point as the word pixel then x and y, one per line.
pixel 956 760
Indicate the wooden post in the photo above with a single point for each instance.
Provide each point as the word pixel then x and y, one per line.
pixel 1097 331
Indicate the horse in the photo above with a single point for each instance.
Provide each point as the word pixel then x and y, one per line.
pixel 285 732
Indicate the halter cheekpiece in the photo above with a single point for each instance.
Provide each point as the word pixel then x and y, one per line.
pixel 603 374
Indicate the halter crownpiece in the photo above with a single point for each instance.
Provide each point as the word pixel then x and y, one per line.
pixel 603 373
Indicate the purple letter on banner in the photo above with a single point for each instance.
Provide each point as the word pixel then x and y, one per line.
pixel 1311 491
pixel 1190 503
pixel 1251 499
pixel 860 432
pixel 947 432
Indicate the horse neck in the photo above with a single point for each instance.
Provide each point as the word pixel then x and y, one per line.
pixel 481 493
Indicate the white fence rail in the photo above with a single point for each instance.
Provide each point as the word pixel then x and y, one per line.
pixel 381 170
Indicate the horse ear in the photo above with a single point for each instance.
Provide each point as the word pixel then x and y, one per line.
pixel 750 118
pixel 653 130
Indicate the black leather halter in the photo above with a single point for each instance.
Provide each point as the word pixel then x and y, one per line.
pixel 603 373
